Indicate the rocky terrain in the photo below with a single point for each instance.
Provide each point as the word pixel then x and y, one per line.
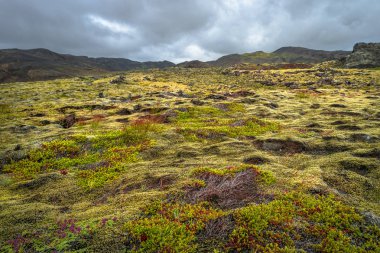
pixel 249 158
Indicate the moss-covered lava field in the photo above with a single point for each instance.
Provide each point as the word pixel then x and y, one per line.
pixel 243 159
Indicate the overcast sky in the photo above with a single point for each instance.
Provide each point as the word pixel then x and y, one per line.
pixel 179 30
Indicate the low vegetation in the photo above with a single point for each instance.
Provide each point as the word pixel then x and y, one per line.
pixel 250 158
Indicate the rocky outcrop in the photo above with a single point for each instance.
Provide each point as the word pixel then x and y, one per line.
pixel 364 55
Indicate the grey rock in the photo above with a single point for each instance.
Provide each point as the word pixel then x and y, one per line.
pixel 22 129
pixel 364 55
pixel 371 218
pixel 45 122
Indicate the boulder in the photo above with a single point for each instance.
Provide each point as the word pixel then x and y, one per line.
pixel 364 55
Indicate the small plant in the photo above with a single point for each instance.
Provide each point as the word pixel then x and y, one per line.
pixel 17 243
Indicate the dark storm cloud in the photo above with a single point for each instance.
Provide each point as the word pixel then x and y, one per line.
pixel 185 29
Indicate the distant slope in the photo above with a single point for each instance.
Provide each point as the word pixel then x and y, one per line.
pixel 193 64
pixel 282 55
pixel 42 64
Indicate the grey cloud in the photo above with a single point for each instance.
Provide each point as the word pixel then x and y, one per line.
pixel 185 29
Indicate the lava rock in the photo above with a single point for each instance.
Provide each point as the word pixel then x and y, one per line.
pixel 68 121
pixel 364 55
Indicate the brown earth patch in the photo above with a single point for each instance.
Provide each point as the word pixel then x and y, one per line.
pixel 281 146
pixel 228 191
pixel 255 160
pixel 152 119
pixel 86 107
pixel 68 121
pixel 161 182
pixel 348 127
pixel 241 93
pixel 124 111
pixel 148 183
pixel 122 120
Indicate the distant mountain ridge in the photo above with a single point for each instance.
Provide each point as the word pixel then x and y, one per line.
pixel 43 64
pixel 281 55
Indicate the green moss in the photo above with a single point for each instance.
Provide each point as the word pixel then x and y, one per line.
pixel 160 235
pixel 194 183
pixel 55 149
pixel 5 109
pixel 114 162
pixel 263 227
pixel 129 136
pixel 95 161
pixel 198 113
pixel 303 95
pixel 94 178
pixel 24 169
pixel 218 171
pixel 235 107
pixel 252 127
pixel 300 217
pixel 169 227
pixel 77 162
pixel 264 176
pixel 361 166
pixel 104 159
pixel 211 123
pixel 68 235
